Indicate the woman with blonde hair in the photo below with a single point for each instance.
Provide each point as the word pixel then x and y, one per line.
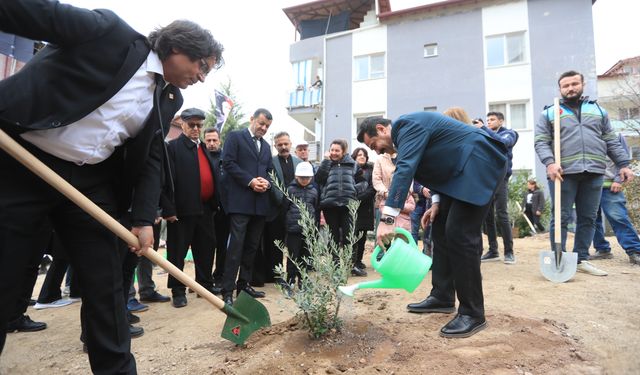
pixel 459 114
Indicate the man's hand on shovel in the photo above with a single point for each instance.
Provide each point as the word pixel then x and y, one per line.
pixel 554 171
pixel 145 237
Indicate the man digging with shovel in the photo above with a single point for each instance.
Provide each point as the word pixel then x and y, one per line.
pixel 586 139
pixel 93 105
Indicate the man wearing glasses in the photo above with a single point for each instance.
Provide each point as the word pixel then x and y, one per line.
pixel 94 105
pixel 189 210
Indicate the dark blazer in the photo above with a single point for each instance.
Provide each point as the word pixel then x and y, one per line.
pixel 447 156
pixel 183 158
pixel 241 163
pixel 91 56
pixel 277 196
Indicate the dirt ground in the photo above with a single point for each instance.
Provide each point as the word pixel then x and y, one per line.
pixel 588 325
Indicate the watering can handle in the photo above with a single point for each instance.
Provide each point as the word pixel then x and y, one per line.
pixel 400 233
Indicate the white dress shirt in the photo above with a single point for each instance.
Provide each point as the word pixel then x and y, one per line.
pixel 94 138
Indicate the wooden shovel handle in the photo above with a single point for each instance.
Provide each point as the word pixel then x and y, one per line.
pixel 557 157
pixel 40 169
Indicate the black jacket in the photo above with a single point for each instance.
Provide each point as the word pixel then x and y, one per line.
pixel 91 55
pixel 183 157
pixel 366 194
pixel 537 201
pixel 338 184
pixel 309 196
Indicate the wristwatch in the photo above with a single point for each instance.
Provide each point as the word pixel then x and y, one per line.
pixel 389 220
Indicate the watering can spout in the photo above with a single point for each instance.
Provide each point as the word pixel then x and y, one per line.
pixel 373 284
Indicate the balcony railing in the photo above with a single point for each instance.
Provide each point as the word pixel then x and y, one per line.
pixel 305 98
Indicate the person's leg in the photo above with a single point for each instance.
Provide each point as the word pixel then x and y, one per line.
pixel 93 253
pixel 332 217
pixel 237 229
pixel 569 188
pixel 202 247
pixel 294 245
pixel 490 225
pixel 441 268
pixel 587 203
pixel 346 225
pixel 252 237
pixel 615 209
pixel 502 216
pixel 221 223
pixel 146 286
pixel 416 216
pixel 177 247
pixel 463 237
pixel 273 231
pixel 599 242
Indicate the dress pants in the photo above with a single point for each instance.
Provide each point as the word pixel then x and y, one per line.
pixel 27 205
pixel 50 290
pixel 221 223
pixel 197 231
pixel 272 255
pixel 245 232
pixel 144 271
pixel 296 245
pixel 456 234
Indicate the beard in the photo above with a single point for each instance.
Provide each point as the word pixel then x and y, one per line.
pixel 572 97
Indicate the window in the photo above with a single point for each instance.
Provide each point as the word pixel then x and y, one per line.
pixel 515 114
pixel 359 118
pixel 369 67
pixel 431 50
pixel 431 109
pixel 505 49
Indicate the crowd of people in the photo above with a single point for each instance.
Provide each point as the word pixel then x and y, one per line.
pixel 443 173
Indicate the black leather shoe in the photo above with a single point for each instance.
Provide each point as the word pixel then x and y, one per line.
pixel 463 326
pixel 252 292
pixel 355 271
pixel 25 324
pixel 432 305
pixel 155 297
pixel 135 331
pixel 228 299
pixel 216 289
pixel 179 300
pixel 133 319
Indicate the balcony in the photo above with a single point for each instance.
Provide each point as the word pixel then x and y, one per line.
pixel 305 98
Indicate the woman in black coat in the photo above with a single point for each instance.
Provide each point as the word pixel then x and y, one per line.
pixel 335 175
pixel 533 203
pixel 365 194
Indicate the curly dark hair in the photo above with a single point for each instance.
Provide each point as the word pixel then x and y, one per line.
pixel 186 37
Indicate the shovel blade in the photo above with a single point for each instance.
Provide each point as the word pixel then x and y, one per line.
pixel 246 316
pixel 558 271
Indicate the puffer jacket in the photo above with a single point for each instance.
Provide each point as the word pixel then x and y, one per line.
pixel 586 138
pixel 309 196
pixel 337 181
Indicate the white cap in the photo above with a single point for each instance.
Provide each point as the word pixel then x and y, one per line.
pixel 302 143
pixel 304 169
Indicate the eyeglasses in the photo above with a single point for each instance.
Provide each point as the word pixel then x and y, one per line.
pixel 204 67
pixel 194 124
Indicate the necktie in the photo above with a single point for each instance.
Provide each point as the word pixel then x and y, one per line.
pixel 257 142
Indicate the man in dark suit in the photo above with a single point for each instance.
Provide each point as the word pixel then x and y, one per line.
pixel 220 220
pixel 246 161
pixel 284 165
pixel 189 210
pixel 462 166
pixel 93 105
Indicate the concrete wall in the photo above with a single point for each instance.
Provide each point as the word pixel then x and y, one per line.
pixel 561 38
pixel 453 78
pixel 338 82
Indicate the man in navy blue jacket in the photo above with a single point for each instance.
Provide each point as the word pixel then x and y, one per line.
pixel 462 166
pixel 498 207
pixel 246 160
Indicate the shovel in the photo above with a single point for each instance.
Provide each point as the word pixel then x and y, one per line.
pixel 244 317
pixel 533 229
pixel 557 266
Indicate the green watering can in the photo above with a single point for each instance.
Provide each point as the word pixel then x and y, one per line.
pixel 403 266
